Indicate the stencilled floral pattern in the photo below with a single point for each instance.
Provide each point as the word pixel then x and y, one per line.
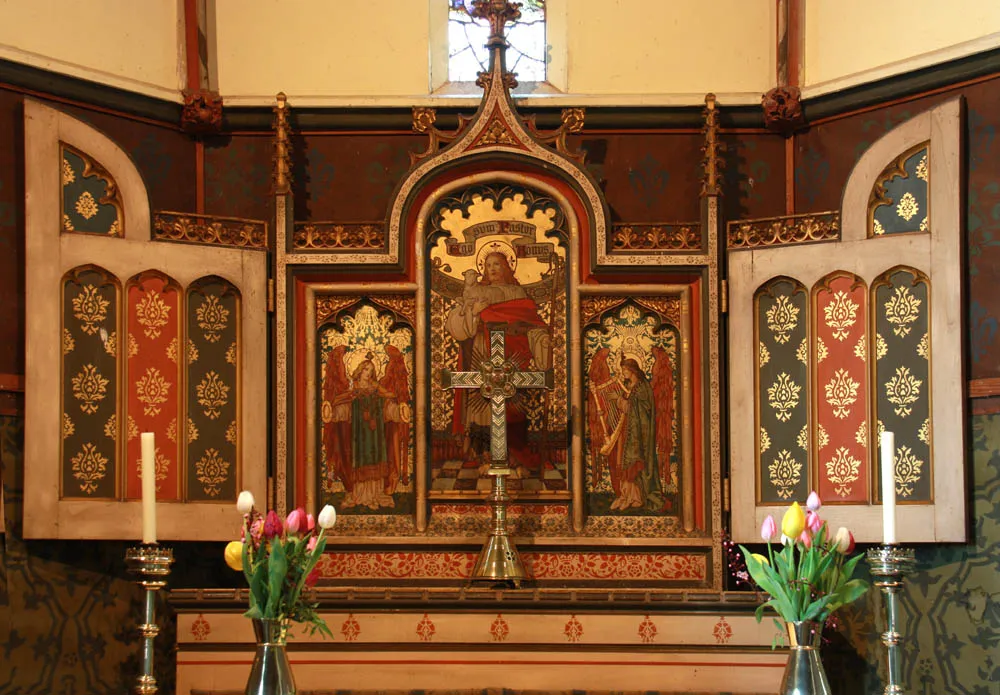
pixel 212 470
pixel 212 317
pixel 153 391
pixel 213 394
pixel 902 309
pixel 763 356
pixel 908 471
pixel 67 342
pixel 90 308
pixel 841 393
pixel 785 473
pixel 907 207
pixel 903 390
pixel 782 318
pixel 842 470
pixel 90 388
pixel 153 314
pixel 840 315
pixel 783 396
pixel 68 428
pixel 86 206
pixel 765 440
pixel 89 467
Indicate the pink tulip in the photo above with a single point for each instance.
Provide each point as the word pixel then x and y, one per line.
pixel 311 545
pixel 813 522
pixel 310 522
pixel 813 502
pixel 769 529
pixel 806 539
pixel 272 525
pixel 295 520
pixel 256 531
pixel 844 541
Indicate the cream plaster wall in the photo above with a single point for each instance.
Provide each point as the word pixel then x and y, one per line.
pixel 132 44
pixel 849 42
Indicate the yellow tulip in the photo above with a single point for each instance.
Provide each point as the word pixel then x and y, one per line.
pixel 760 558
pixel 794 521
pixel 234 555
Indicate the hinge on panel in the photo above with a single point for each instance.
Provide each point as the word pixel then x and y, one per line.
pixel 725 494
pixel 270 294
pixel 724 296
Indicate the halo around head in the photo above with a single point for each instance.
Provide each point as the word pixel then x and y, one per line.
pixel 501 247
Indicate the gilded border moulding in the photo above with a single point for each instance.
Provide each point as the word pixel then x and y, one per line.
pixel 656 237
pixel 783 231
pixel 206 229
pixel 358 236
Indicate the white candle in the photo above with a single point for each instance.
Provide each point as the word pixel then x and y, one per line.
pixel 148 488
pixel 888 446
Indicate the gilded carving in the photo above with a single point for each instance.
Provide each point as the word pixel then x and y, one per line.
pixel 203 229
pixel 212 317
pixel 91 308
pixel 152 313
pixel 90 388
pixel 778 231
pixel 593 306
pixel 212 470
pixel 89 467
pixel 329 235
pixel 680 236
pixel 712 149
pixel 213 394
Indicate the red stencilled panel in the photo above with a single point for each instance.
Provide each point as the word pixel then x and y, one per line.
pixel 153 351
pixel 840 357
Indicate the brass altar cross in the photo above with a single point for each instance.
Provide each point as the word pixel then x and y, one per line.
pixel 498 380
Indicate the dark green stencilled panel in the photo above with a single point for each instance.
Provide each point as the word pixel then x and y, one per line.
pixel 899 200
pixel 90 200
pixel 782 390
pixel 213 391
pixel 901 312
pixel 90 384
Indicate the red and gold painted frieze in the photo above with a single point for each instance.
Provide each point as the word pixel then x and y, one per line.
pixel 153 374
pixel 90 383
pixel 539 565
pixel 840 369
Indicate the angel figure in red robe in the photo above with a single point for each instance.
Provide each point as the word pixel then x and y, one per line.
pixel 663 389
pixel 398 416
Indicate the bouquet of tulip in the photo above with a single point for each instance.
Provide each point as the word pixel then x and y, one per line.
pixel 813 574
pixel 278 558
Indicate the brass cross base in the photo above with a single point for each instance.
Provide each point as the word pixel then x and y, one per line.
pixel 498 561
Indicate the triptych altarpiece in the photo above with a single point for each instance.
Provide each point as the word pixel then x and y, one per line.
pixel 629 470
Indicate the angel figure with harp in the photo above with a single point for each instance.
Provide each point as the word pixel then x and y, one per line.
pixel 366 427
pixel 628 417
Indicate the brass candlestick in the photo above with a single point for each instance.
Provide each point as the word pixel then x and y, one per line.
pixel 151 565
pixel 889 564
pixel 498 561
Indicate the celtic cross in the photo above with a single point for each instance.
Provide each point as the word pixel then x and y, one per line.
pixel 498 380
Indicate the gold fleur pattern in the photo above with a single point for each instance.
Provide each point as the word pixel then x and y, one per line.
pixel 89 467
pixel 68 427
pixel 901 310
pixel 172 350
pixel 172 431
pixel 212 470
pixel 782 318
pixel 822 438
pixel 111 427
pixel 231 354
pixel 68 176
pixel 111 344
pixel 922 172
pixel 840 315
pixel 881 347
pixel 67 343
pixel 908 471
pixel 841 393
pixel 90 388
pixel 763 356
pixel 152 391
pixel 192 431
pixel 802 352
pixel 924 226
pixel 923 347
pixel 907 207
pixel 161 467
pixel 861 436
pixel 231 433
pixel 67 224
pixel 133 346
pixel 86 206
pixel 803 439
pixel 131 429
pixel 153 314
pixel 878 229
pixel 903 390
pixel 924 433
pixel 842 470
pixel 861 348
pixel 212 317
pixel 783 396
pixel 213 394
pixel 765 441
pixel 90 308
pixel 785 473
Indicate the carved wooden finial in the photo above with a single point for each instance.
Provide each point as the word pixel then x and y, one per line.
pixel 282 147
pixel 497 13
pixel 712 149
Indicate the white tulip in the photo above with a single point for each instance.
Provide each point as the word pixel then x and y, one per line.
pixel 245 502
pixel 327 517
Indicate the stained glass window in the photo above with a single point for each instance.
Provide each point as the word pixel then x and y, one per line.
pixel 467 54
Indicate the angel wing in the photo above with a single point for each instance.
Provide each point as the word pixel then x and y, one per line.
pixel 336 419
pixel 663 391
pixel 395 384
pixel 603 412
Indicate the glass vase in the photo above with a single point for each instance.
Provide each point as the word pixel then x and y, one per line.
pixel 271 674
pixel 804 674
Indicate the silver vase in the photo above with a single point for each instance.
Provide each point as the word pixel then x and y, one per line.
pixel 804 674
pixel 271 674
